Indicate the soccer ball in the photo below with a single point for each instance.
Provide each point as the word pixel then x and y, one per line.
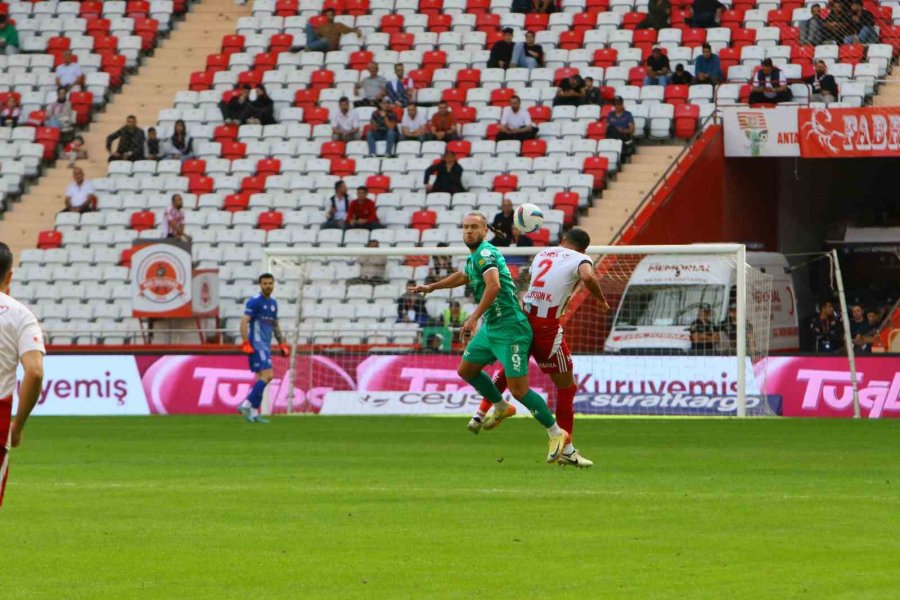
pixel 528 218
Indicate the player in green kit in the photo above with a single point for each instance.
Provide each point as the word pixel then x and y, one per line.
pixel 505 334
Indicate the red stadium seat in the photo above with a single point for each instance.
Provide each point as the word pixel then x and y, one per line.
pixel 584 21
pixel 306 99
pixel 281 42
pixel 563 73
pixel 462 148
pixel 643 37
pixel 82 103
pixel 201 81
pixel 217 62
pixel 269 220
pixel 596 130
pixel 97 27
pixel 597 166
pixel 265 61
pixel 332 150
pixel 343 167
pixel 423 219
pixel 506 183
pixel 234 150
pixel 402 41
pixel 568 203
pixel 268 166
pixel 439 23
pixel 631 20
pixel 636 75
pixel 421 78
pixel 143 220
pixel 729 57
pixel 465 114
pixel 49 239
pixel 232 43
pixel 468 78
pixel 592 7
pixel 537 21
pixel 502 96
pixel 391 23
pixel 125 257
pixel 477 6
pixel 237 202
pixel 315 116
pixel 193 166
pixel 48 137
pixel 851 53
pixel 360 59
pixel 534 148
pixel 487 22
pixel 676 94
pixel 541 237
pixel 338 6
pixel 254 184
pixel 58 44
pixel 250 78
pixel 692 38
pixel 225 133
pixel 434 59
pixel 137 8
pixel 287 8
pixel 106 44
pixel 686 118
pixel 492 130
pixel 356 8
pixel 378 184
pixel 321 79
pixel 540 114
pixel 90 10
pixel 453 97
pixel 742 37
pixel 571 39
pixel 431 7
pixel 605 57
pixel 201 184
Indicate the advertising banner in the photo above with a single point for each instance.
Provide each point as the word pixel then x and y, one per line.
pixel 849 132
pixel 205 293
pixel 760 131
pixel 161 279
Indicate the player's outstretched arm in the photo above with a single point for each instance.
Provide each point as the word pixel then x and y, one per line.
pixel 33 365
pixel 451 281
pixel 589 279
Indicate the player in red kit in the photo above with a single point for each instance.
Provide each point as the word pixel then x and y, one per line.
pixel 554 274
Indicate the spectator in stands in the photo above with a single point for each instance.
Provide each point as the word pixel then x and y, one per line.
pixel 729 328
pixel 861 25
pixel 544 6
pixel 362 213
pixel 9 116
pixel 383 126
pixel 344 122
pixel 371 267
pixel 515 122
pixel 373 88
pixel 69 73
pixel 870 334
pixel 859 325
pixel 74 150
pixel 443 126
pixel 173 221
pixel 441 266
pixel 9 36
pixel 61 116
pixel 262 107
pixel 503 222
pixel 704 333
pixel 502 51
pixel 527 54
pixel 707 68
pixel 80 194
pixel 516 240
pixel 131 141
pixel 434 343
pixel 152 146
pixel 448 175
pixel 411 306
pixel 657 15
pixel 826 328
pixel 836 24
pixel 522 7
pixel 824 87
pixel 327 36
pixel 680 76
pixel 770 85
pixel 179 146
pixel 339 207
pixel 237 109
pixel 706 13
pixel 658 68
pixel 812 30
pixel 620 125
pixel 453 318
pixel 570 92
pixel 414 125
pixel 399 89
pixel 591 93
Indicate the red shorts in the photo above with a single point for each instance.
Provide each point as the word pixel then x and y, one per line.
pixel 5 417
pixel 548 347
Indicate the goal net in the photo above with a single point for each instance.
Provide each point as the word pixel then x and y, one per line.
pixel 687 331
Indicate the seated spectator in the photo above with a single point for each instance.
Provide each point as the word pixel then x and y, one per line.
pixel 179 146
pixel 527 54
pixel 861 25
pixel 443 126
pixel 9 36
pixel 543 6
pixel 414 125
pixel 858 324
pixel 173 223
pixel 729 328
pixel 704 333
pixel 262 107
pixel 706 13
pixel 338 208
pixel 152 148
pixel 75 150
pixel 69 73
pixel 812 30
pixel 398 90
pixel 502 51
pixel 824 87
pixel 327 36
pixel 344 122
pixel 372 88
pixel 80 194
pixel 770 85
pixel 453 318
pixel 515 122
pixel 411 306
pixel 570 92
pixel 131 141
pixel 836 24
pixel 434 343
pixel 9 116
pixel 362 213
pixel 448 175
pixel 658 14
pixel 620 125
pixel 707 68
pixel 658 69
pixel 383 127
pixel 61 116
pixel 680 76
pixel 503 222
pixel 237 109
pixel 869 335
pixel 826 329
pixel 372 267
pixel 522 7
pixel 591 93
pixel 441 266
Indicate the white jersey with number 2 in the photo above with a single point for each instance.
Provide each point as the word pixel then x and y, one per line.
pixel 19 333
pixel 554 274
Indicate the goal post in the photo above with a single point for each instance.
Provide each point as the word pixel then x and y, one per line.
pixel 357 339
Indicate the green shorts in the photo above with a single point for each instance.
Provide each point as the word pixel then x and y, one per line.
pixel 510 344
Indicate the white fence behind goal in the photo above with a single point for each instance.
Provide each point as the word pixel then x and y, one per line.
pixel 353 349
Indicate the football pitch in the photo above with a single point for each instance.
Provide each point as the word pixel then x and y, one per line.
pixel 340 507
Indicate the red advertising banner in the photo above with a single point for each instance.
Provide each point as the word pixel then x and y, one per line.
pixel 849 132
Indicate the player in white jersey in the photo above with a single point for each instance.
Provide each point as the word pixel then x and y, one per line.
pixel 20 340
pixel 554 274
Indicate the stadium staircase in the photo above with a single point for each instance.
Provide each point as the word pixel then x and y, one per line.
pixel 161 76
pixel 889 92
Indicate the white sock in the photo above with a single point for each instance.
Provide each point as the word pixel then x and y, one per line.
pixel 254 412
pixel 501 406
pixel 479 414
pixel 245 404
pixel 568 448
pixel 554 430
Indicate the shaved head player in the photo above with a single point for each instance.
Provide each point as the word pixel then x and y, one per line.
pixel 21 340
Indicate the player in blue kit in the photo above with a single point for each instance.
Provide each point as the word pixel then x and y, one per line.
pixel 258 325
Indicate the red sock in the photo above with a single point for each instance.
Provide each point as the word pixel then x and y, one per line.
pixel 565 408
pixel 500 382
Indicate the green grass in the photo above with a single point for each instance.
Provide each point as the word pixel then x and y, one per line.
pixel 208 507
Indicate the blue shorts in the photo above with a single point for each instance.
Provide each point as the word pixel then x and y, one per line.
pixel 261 359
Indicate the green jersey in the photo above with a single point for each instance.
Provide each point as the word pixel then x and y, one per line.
pixel 506 309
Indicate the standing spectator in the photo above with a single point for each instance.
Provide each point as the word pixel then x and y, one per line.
pixel 570 92
pixel 179 146
pixel 9 116
pixel 448 174
pixel 362 213
pixel 515 122
pixel 706 13
pixel 414 125
pixel 152 145
pixel 704 333
pixel 383 127
pixel 61 116
pixel 344 122
pixel 69 73
pixel 729 328
pixel 326 37
pixel 399 89
pixel 411 306
pixel 9 36
pixel 859 326
pixel 861 25
pixel 443 126
pixel 527 54
pixel 591 93
pixel 620 125
pixel 657 68
pixel 80 194
pixel 131 141
pixel 339 207
pixel 680 76
pixel 707 68
pixel 870 334
pixel 657 15
pixel 502 51
pixel 373 88
pixel 173 221
pixel 262 108
pixel 812 30
pixel 237 109
pixel 503 222
pixel 770 85
pixel 372 267
pixel 824 87
pixel 826 328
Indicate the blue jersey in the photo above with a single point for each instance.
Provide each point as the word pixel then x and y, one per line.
pixel 263 313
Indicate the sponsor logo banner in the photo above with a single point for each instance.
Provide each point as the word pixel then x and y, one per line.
pixel 849 132
pixel 672 404
pixel 761 131
pixel 401 403
pixel 161 279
